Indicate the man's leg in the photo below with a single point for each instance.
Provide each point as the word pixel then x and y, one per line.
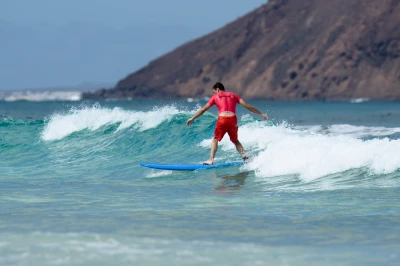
pixel 240 149
pixel 233 135
pixel 214 148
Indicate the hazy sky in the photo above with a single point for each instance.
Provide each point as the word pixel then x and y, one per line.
pixel 69 42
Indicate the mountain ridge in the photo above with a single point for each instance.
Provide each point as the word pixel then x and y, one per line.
pixel 284 50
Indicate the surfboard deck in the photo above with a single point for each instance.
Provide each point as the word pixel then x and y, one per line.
pixel 189 167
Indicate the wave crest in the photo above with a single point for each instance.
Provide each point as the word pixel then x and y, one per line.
pixel 92 118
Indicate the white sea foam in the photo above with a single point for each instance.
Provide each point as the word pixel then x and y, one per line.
pixel 355 131
pixel 158 173
pixel 281 150
pixel 92 118
pixel 41 96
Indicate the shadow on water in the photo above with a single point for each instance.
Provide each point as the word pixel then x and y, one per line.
pixel 229 184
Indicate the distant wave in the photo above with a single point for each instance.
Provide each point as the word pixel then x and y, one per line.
pixel 190 100
pixel 359 100
pixel 41 96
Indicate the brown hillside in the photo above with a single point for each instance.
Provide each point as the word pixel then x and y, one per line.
pixel 286 49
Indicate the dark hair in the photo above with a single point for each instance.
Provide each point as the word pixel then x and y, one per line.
pixel 219 85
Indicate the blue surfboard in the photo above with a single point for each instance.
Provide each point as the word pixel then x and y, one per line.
pixel 189 167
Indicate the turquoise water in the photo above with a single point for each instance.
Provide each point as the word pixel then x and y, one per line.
pixel 322 186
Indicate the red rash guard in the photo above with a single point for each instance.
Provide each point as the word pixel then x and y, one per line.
pixel 225 101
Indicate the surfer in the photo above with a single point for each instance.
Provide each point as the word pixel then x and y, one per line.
pixel 227 120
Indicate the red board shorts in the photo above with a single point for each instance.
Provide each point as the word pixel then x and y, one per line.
pixel 226 124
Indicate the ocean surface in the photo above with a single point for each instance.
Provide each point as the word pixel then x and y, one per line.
pixel 322 186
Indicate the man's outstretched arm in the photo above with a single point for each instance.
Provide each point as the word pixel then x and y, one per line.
pixel 198 113
pixel 253 109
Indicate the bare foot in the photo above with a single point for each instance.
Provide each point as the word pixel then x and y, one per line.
pixel 209 162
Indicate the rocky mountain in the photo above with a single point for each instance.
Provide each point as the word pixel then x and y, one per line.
pixel 286 49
